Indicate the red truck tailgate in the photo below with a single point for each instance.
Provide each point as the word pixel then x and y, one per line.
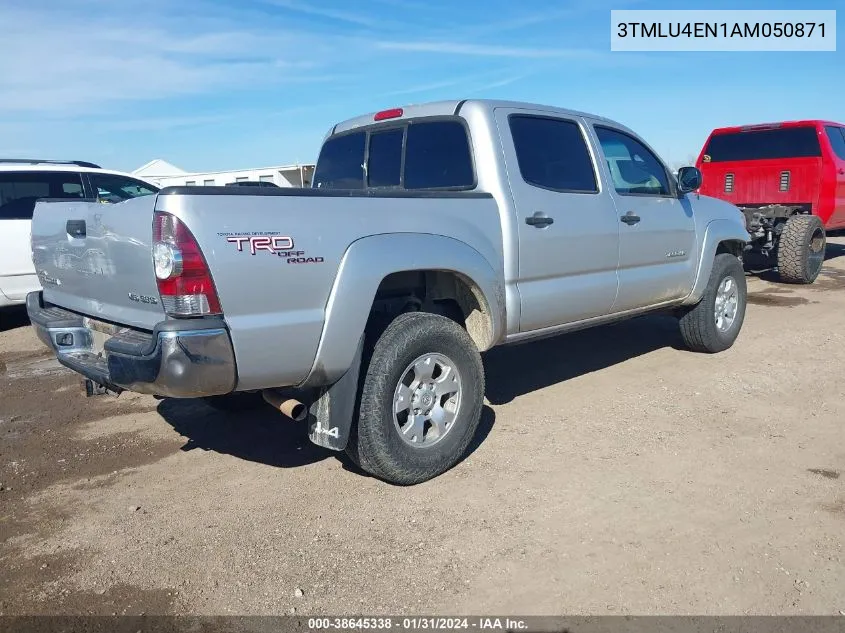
pixel 759 182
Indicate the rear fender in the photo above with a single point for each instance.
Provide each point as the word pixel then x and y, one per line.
pixel 366 263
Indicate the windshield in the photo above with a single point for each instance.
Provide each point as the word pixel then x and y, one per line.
pixel 794 142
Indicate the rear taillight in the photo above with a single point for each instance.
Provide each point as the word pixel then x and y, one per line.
pixel 784 181
pixel 184 280
pixel 729 183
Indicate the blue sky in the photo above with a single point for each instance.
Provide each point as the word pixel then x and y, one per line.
pixel 220 84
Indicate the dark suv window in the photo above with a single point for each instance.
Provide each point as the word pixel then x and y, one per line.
pixel 789 142
pixel 20 190
pixel 552 154
pixel 426 154
pixel 438 156
pixel 111 188
pixel 341 162
pixel 837 140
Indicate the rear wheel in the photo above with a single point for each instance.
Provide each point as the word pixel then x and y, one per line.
pixel 801 249
pixel 421 400
pixel 713 324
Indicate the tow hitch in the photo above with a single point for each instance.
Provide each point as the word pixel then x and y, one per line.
pixel 96 389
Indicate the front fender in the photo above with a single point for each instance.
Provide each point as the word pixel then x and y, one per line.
pixel 717 231
pixel 363 267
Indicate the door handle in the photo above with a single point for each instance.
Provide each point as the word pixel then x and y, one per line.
pixel 539 220
pixel 630 218
pixel 76 228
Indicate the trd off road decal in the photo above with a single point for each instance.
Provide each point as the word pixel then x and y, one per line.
pixel 272 242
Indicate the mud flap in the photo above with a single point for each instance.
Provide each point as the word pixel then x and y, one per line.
pixel 330 417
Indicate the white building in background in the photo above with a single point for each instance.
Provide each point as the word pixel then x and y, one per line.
pixel 163 174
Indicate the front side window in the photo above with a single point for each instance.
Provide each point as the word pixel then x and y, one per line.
pixel 113 189
pixel 341 162
pixel 19 191
pixel 552 154
pixel 837 140
pixel 634 169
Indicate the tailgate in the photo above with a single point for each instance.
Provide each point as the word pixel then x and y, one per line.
pixel 96 259
pixel 763 182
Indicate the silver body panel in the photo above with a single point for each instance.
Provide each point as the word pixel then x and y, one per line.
pixel 276 310
pixel 295 323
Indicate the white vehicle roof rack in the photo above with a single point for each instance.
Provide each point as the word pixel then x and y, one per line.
pixel 37 161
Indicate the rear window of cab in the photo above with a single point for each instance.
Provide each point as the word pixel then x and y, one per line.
pixel 788 142
pixel 429 154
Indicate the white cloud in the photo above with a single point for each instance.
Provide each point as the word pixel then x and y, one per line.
pixel 74 64
pixel 356 18
pixel 489 50
pixel 507 81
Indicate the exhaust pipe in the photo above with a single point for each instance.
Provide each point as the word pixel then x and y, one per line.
pixel 293 409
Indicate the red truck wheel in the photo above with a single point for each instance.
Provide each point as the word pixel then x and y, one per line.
pixel 801 249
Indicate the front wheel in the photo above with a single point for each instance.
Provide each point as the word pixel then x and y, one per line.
pixel 421 400
pixel 713 324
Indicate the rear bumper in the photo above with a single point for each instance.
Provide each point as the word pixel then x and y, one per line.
pixel 179 359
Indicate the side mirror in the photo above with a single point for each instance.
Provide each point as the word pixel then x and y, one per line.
pixel 689 179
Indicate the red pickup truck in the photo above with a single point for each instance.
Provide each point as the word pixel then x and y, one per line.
pixel 789 180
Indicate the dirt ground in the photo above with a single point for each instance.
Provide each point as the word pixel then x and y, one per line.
pixel 614 473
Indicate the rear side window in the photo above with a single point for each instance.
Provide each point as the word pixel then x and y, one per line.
pixel 19 191
pixel 791 142
pixel 384 163
pixel 438 156
pixel 113 189
pixel 837 140
pixel 341 162
pixel 552 154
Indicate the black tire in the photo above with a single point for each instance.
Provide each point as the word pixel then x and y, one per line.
pixel 375 444
pixel 234 402
pixel 698 323
pixel 801 249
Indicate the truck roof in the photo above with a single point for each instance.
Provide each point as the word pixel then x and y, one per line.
pixel 774 124
pixel 452 107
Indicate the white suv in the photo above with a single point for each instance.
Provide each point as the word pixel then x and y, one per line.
pixel 22 182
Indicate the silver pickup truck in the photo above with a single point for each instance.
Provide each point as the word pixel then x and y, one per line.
pixel 430 234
